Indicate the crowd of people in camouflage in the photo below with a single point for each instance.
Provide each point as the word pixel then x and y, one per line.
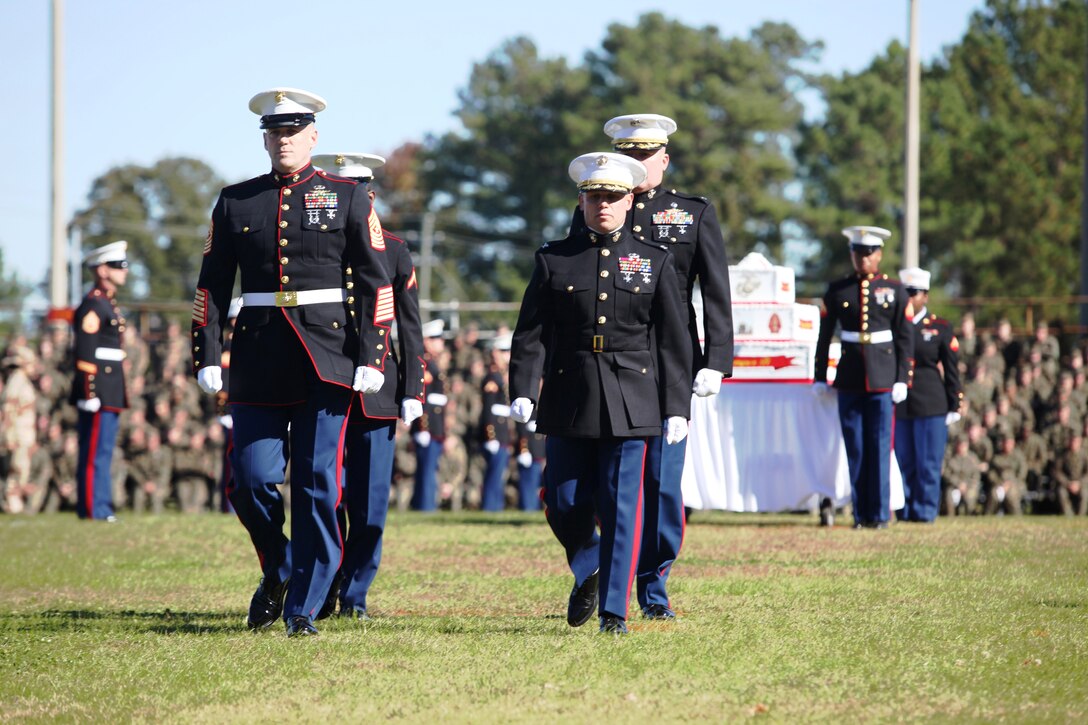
pixel 1019 447
pixel 170 449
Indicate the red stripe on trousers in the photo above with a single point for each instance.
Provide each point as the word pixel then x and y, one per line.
pixel 88 471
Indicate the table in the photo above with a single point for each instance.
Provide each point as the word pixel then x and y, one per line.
pixel 769 447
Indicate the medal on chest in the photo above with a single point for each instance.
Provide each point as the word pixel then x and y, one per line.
pixel 320 199
pixel 665 219
pixel 884 295
pixel 636 264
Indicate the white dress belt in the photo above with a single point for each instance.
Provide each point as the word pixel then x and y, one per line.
pixel 114 354
pixel 292 298
pixel 866 338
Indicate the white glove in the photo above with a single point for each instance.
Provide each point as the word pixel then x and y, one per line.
pixel 210 379
pixel 410 409
pixel 999 493
pixel 707 382
pixel 951 418
pixel 899 392
pixel 368 379
pixel 525 459
pixel 521 410
pixel 422 438
pixel 675 429
pixel 91 405
pixel 492 447
pixel 821 389
pixel 226 421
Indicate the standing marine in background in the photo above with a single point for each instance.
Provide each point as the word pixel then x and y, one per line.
pixel 933 403
pixel 370 438
pixel 98 389
pixel 494 432
pixel 688 225
pixel 874 372
pixel 429 430
pixel 313 331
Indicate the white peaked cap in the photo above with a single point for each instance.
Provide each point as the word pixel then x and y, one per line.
pixel 606 171
pixel 915 277
pixel 280 107
pixel 433 328
pixel 640 130
pixel 112 252
pixel 867 236
pixel 351 165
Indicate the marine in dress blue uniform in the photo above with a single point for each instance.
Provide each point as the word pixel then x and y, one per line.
pixel 318 306
pixel 688 225
pixel 933 403
pixel 494 432
pixel 874 315
pixel 602 324
pixel 530 447
pixel 429 431
pixel 370 440
pixel 98 389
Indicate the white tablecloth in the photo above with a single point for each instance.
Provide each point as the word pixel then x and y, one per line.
pixel 768 447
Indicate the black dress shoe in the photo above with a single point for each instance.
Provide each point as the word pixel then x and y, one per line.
pixel 329 607
pixel 611 624
pixel 658 611
pixel 267 603
pixel 827 512
pixel 583 601
pixel 300 627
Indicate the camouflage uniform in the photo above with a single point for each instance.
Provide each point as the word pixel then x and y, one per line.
pixel 1008 472
pixel 962 477
pixel 1070 473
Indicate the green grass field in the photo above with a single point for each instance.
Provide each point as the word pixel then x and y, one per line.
pixel 966 620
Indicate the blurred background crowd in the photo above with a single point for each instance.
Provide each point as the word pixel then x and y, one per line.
pixel 1018 449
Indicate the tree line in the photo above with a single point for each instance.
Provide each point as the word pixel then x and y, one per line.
pixel 1003 113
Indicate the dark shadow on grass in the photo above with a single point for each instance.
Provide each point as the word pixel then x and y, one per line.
pixel 780 520
pixel 158 622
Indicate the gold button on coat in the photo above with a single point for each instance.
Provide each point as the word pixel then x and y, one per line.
pixel 602 296
pixel 285 279
pixel 285 207
pixel 604 272
pixel 283 224
pixel 638 227
pixel 601 320
pixel 287 192
pixel 283 260
pixel 605 252
pixel 283 242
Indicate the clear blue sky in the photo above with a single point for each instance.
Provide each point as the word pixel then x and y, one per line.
pixel 146 80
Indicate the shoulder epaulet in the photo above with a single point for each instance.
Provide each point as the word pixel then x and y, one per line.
pixel 333 177
pixel 685 195
pixel 256 180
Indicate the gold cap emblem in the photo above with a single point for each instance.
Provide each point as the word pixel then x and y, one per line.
pixel 280 96
pixel 602 160
pixel 339 160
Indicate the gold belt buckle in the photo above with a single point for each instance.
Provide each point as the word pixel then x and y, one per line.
pixel 598 343
pixel 287 298
pixel 866 338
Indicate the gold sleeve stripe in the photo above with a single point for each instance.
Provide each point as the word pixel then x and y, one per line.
pixel 200 307
pixel 208 239
pixel 377 239
pixel 384 309
pixel 86 367
pixel 411 280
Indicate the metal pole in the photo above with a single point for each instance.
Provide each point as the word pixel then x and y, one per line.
pixel 58 278
pixel 910 202
pixel 1084 202
pixel 426 248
